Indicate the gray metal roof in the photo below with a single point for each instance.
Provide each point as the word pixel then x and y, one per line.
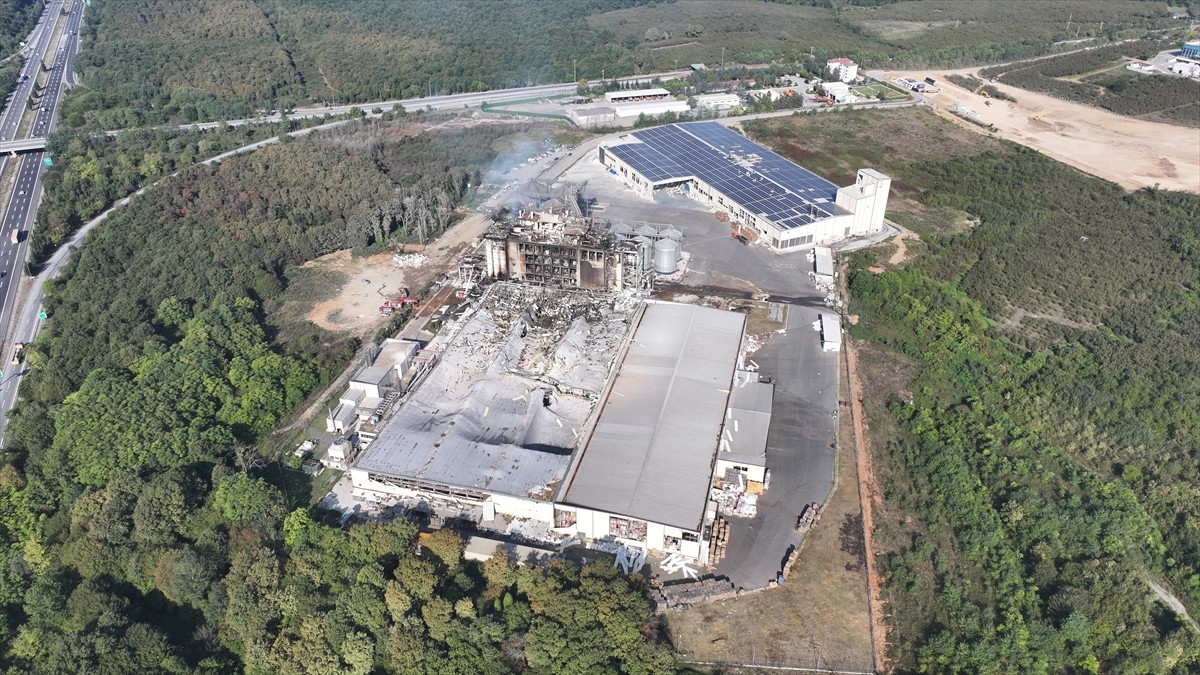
pixel 651 453
pixel 748 419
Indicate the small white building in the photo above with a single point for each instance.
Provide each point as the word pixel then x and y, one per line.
pixel 831 333
pixel 636 95
pixel 371 384
pixel 1184 66
pixel 592 116
pixel 843 69
pixel 840 91
pixel 823 266
pixel 651 108
pixel 717 101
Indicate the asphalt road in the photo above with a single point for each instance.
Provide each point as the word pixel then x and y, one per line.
pixel 22 202
pixel 10 120
pixel 800 450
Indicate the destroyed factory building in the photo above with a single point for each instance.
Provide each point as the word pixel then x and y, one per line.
pixel 553 244
pixel 585 412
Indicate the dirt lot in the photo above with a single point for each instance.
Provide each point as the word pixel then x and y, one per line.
pixel 1133 153
pixel 371 280
pixel 818 618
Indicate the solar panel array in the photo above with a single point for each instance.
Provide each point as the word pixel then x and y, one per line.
pixel 758 180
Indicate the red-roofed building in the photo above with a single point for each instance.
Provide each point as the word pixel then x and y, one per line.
pixel 844 69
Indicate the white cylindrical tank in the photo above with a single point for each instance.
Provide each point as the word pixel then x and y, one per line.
pixel 672 234
pixel 666 256
pixel 646 247
pixel 622 230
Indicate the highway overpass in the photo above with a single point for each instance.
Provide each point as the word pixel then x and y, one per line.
pixel 25 145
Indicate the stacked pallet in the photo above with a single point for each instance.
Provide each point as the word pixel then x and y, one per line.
pixel 718 538
pixel 808 517
pixel 680 596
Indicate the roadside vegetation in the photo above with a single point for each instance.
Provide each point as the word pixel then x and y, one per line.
pixel 17 18
pixel 1099 77
pixel 1032 468
pixel 143 528
pixel 145 62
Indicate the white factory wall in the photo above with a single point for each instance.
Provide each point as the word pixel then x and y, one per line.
pixel 595 525
pixel 507 505
pixel 756 473
pixel 524 507
pixel 650 108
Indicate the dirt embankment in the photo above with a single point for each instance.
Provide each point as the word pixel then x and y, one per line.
pixel 373 279
pixel 1130 152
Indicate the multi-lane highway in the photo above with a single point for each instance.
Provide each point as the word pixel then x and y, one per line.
pixel 39 41
pixel 26 188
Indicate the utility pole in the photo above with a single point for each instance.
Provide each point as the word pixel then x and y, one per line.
pixel 722 58
pixel 1069 22
pixel 574 71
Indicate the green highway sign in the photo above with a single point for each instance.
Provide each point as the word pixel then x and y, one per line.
pixel 43 316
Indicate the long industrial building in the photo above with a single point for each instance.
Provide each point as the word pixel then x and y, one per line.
pixel 789 207
pixel 595 414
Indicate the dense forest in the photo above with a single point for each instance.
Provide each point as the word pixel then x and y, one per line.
pixel 146 62
pixel 17 19
pixel 93 170
pixel 1038 469
pixel 1098 77
pixel 142 529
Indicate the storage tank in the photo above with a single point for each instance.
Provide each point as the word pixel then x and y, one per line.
pixel 646 247
pixel 648 231
pixel 622 230
pixel 666 256
pixel 672 234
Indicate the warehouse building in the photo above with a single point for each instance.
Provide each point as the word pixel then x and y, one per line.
pixel 643 475
pixel 634 102
pixel 593 415
pixel 717 101
pixel 788 206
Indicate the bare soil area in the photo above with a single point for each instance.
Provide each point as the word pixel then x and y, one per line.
pixel 1130 152
pixel 368 281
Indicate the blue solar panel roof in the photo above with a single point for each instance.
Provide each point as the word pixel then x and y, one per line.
pixel 759 180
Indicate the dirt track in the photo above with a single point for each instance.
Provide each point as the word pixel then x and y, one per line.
pixel 1130 152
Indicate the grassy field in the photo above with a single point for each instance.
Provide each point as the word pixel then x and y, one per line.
pixel 849 141
pixel 949 24
pixel 873 90
pixel 748 31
